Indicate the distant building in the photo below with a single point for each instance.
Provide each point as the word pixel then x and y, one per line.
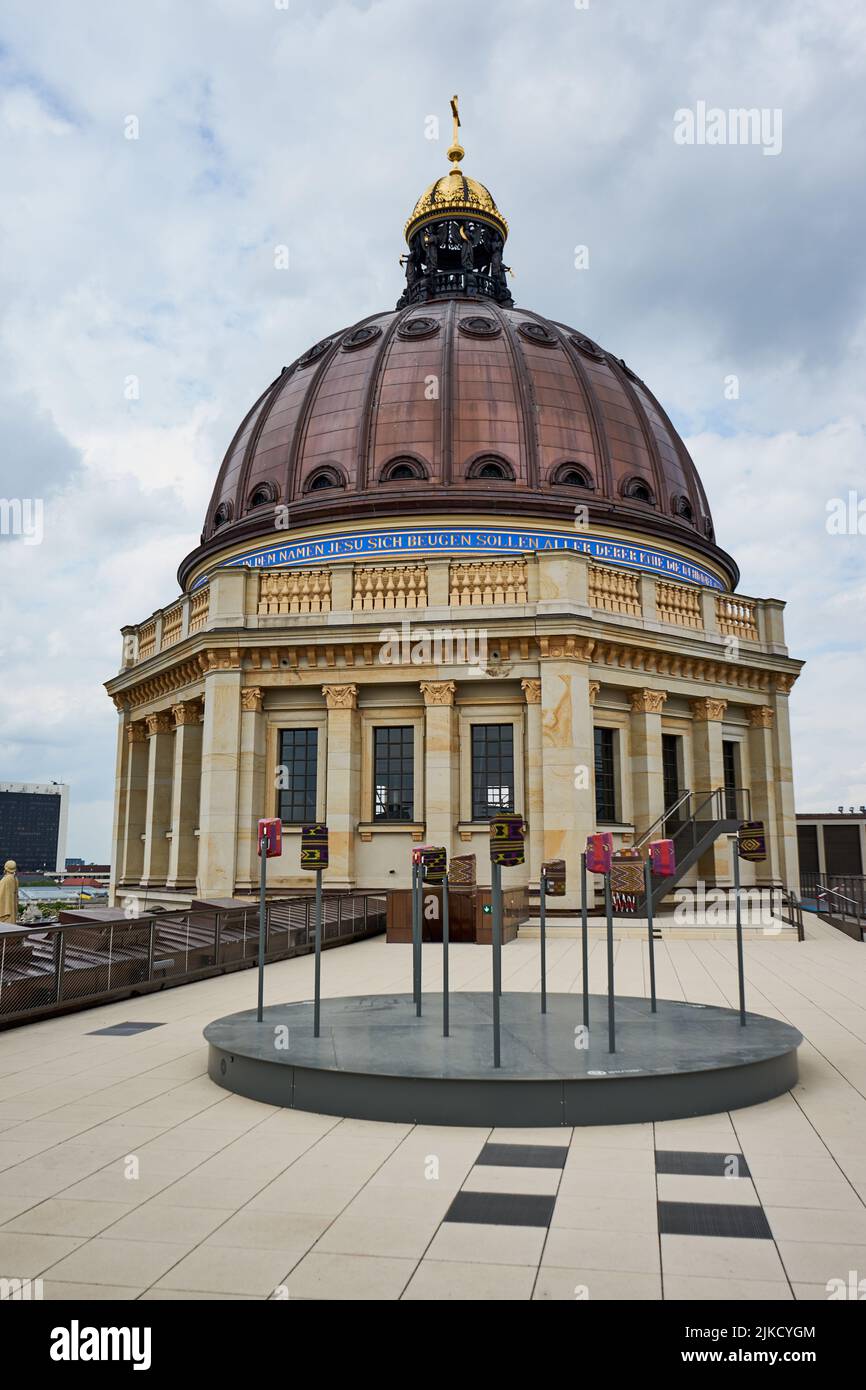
pixel 832 843
pixel 33 825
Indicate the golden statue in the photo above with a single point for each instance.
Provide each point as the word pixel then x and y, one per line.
pixel 9 893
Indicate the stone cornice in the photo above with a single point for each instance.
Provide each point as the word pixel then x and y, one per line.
pixel 339 655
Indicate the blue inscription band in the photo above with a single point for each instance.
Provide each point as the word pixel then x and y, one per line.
pixel 432 540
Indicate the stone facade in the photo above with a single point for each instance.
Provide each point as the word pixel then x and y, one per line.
pixel 553 645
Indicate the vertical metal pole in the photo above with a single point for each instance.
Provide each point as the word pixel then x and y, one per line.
pixel 496 904
pixel 611 1021
pixel 543 921
pixel 415 933
pixel 584 943
pixel 740 970
pixel 648 891
pixel 445 957
pixel 263 878
pixel 420 938
pixel 317 1000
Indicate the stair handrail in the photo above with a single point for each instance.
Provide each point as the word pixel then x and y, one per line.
pixel 660 820
pixel 834 893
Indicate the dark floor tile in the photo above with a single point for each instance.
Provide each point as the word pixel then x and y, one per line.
pixel 523 1155
pixel 501 1209
pixel 123 1030
pixel 700 1164
pixel 713 1219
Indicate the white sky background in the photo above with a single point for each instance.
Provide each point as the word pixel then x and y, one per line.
pixel 305 126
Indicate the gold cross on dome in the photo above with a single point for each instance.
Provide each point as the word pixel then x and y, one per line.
pixel 455 150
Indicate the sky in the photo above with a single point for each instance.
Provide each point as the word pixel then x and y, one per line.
pixel 154 157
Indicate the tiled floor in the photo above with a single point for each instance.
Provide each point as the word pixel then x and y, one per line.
pixel 126 1173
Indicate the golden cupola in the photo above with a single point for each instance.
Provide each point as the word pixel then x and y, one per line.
pixel 456 235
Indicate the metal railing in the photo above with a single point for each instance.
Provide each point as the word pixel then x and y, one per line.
pixel 727 803
pixel 51 968
pixel 843 893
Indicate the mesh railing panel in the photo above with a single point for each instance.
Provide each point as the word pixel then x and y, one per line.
pixel 42 968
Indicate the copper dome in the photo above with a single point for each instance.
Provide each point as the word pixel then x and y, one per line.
pixel 458 404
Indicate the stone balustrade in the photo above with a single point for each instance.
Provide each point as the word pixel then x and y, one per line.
pixel 737 617
pixel 147 639
pixel 359 589
pixel 294 591
pixel 615 591
pixel 172 626
pixel 384 588
pixel 678 603
pixel 474 585
pixel 199 608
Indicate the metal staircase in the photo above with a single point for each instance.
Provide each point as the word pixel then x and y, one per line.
pixel 694 822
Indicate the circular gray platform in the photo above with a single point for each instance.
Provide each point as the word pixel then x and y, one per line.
pixel 375 1060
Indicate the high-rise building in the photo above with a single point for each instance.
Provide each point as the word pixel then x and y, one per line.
pixel 33 825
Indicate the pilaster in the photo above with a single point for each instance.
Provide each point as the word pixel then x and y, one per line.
pixel 441 763
pixel 186 789
pixel 160 768
pixel 343 782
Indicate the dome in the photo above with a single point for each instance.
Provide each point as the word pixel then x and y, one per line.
pixel 459 406
pixel 459 403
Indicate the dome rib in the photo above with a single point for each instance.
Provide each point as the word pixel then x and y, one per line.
pixel 526 397
pixel 646 430
pixel 604 482
pixel 372 394
pixel 299 435
pixel 276 390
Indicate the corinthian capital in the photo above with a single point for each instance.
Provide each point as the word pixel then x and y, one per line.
pixel 707 709
pixel 341 696
pixel 160 723
pixel 532 690
pixel 648 701
pixel 438 692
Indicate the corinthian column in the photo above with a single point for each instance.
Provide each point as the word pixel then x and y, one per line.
pixel 567 754
pixel 218 812
pixel 160 767
pixel 135 810
pixel 647 780
pixel 707 716
pixel 534 777
pixel 440 762
pixel 343 781
pixel 253 799
pixel 786 821
pixel 186 787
